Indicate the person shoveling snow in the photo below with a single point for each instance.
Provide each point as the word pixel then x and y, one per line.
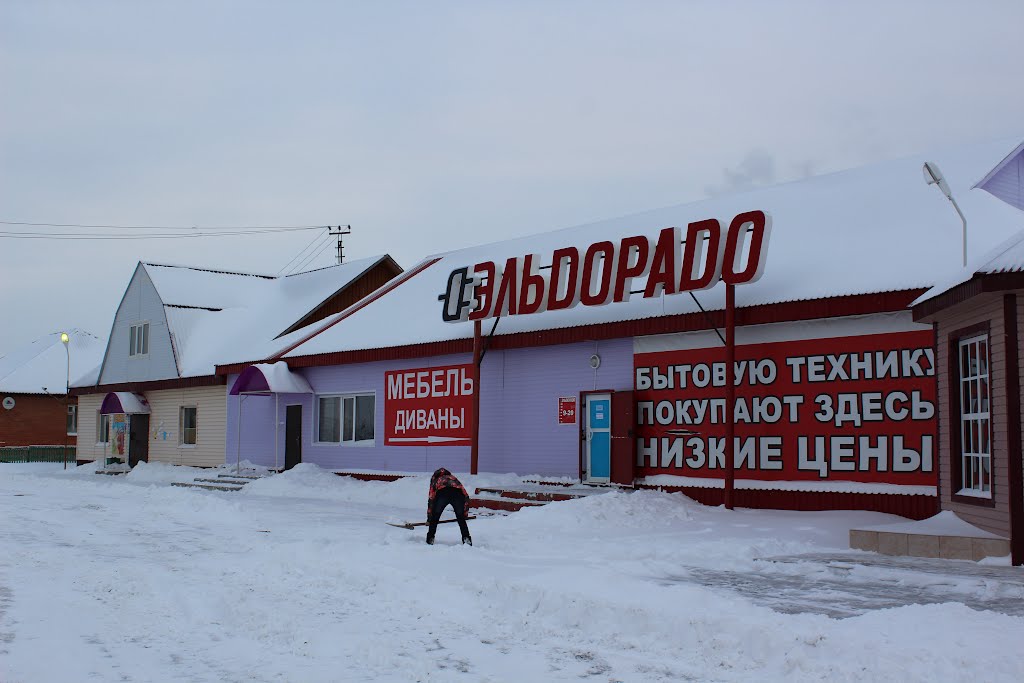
pixel 445 490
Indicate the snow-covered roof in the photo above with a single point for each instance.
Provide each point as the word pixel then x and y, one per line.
pixel 874 229
pixel 1005 257
pixel 202 287
pixel 41 367
pixel 213 315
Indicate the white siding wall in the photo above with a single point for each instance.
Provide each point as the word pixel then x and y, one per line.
pixel 164 427
pixel 140 304
pixel 88 415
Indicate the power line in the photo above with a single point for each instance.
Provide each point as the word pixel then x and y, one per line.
pixel 299 255
pixel 6 234
pixel 312 258
pixel 164 227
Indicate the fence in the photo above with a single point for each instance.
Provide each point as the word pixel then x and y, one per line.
pixel 37 454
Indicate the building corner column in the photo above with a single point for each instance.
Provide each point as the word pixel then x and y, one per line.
pixel 474 454
pixel 1015 459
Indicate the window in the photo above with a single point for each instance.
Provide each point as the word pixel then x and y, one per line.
pixel 138 339
pixel 72 421
pixel 102 428
pixel 187 420
pixel 329 422
pixel 975 418
pixel 346 419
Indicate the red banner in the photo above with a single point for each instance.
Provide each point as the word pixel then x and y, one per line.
pixel 566 410
pixel 847 408
pixel 429 406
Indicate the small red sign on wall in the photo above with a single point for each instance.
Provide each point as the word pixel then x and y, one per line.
pixel 567 410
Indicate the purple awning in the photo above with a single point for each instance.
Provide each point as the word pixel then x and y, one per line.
pixel 270 378
pixel 124 402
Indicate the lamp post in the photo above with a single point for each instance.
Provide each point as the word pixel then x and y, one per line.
pixel 64 339
pixel 933 176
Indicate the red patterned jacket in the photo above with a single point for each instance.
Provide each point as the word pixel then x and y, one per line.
pixel 443 479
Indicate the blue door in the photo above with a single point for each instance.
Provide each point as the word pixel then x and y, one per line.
pixel 599 438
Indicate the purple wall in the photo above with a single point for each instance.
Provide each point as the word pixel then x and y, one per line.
pixel 519 430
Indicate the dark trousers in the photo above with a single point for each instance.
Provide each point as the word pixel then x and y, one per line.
pixel 443 499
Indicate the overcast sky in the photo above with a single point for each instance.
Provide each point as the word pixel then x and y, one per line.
pixel 431 126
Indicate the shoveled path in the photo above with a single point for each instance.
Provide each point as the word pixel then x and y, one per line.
pixel 843 585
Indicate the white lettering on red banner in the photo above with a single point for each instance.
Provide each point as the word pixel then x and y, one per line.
pixel 848 408
pixel 429 406
pixel 604 272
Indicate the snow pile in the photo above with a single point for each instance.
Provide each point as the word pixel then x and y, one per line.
pixel 946 523
pixel 35 468
pixel 627 510
pixel 163 473
pixel 410 491
pixel 307 480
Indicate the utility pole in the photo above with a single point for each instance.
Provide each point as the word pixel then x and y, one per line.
pixel 340 234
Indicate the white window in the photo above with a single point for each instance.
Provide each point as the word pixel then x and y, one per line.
pixel 346 419
pixel 102 428
pixel 72 420
pixel 975 419
pixel 187 418
pixel 138 339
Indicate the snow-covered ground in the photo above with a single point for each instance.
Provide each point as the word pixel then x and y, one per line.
pixel 297 578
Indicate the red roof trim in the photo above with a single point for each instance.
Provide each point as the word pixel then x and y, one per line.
pixel 980 283
pixel 152 385
pixel 830 307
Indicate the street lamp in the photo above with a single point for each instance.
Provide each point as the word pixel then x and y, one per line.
pixel 933 176
pixel 64 339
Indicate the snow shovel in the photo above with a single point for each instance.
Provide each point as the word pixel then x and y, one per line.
pixel 413 525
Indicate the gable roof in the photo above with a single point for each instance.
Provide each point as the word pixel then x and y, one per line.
pixel 874 229
pixel 1013 154
pixel 41 366
pixel 210 313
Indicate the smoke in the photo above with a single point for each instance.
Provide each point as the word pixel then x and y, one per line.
pixel 757 168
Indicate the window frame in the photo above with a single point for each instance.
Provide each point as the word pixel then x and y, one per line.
pixel 343 397
pixel 135 332
pixel 181 426
pixel 316 422
pixel 959 493
pixel 72 409
pixel 100 419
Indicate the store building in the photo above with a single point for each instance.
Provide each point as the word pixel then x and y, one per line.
pixel 978 317
pixel 156 396
pixel 602 359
